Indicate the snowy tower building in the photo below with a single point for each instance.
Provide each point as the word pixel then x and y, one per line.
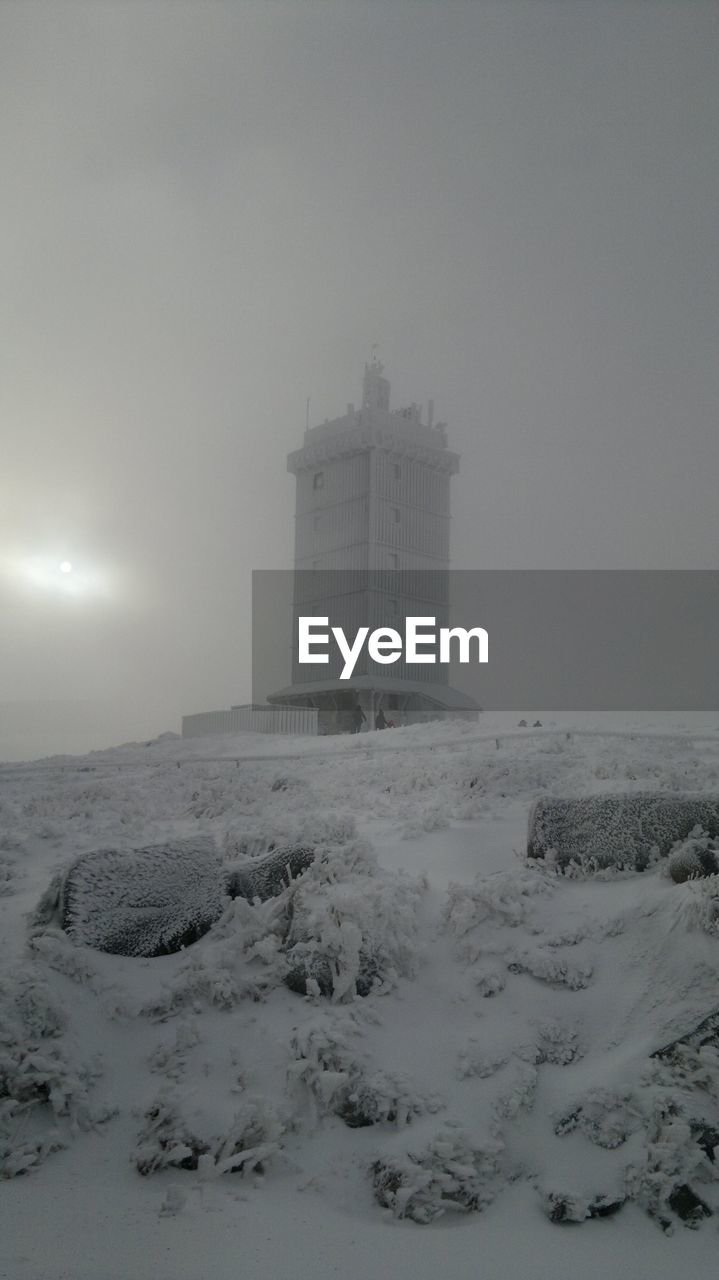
pixel 372 524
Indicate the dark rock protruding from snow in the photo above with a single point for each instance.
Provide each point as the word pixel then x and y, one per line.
pixel 143 902
pixel 267 877
pixel 621 830
pixel 687 1205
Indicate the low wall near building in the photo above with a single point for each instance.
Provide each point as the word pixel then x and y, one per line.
pixel 251 719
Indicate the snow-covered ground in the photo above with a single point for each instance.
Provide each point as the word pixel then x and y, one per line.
pixel 503 1057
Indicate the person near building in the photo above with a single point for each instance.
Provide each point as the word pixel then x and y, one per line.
pixel 358 718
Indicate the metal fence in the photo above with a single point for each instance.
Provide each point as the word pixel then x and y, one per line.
pixel 251 719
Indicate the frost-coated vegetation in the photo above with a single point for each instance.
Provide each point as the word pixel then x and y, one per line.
pixel 44 1080
pixel 694 857
pixel 448 1175
pixel 267 876
pixel 627 831
pixel 360 988
pixel 175 1135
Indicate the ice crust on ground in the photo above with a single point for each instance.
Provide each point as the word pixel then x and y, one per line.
pixel 475 1032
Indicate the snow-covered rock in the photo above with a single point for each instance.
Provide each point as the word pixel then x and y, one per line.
pixel 139 902
pixel 626 831
pixel 694 857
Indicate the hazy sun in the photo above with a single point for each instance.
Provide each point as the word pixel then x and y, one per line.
pixel 61 578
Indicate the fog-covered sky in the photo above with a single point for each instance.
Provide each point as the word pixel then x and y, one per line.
pixel 212 210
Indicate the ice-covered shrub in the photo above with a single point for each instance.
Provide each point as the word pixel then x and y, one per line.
pixel 331 932
pixel 546 966
pixel 558 1043
pixel 474 1060
pixel 449 1175
pixel 325 1065
pixel 518 1092
pixel 570 1207
pixel 476 915
pixel 504 898
pixel 382 1097
pixel 488 976
pixel 353 925
pixel 699 909
pixel 169 1059
pixel 667 1182
pixel 243 960
pixel 178 1135
pixel 43 1086
pixel 675 1177
pixel 8 872
pixel 553 1043
pixel 430 817
pixel 606 1116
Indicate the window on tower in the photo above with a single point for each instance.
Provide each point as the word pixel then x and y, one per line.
pixel 318 480
pixel 397 470
pixel 395 515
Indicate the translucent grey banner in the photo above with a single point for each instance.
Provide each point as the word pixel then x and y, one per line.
pixel 565 640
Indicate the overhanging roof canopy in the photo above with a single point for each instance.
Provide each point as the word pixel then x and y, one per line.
pixel 442 695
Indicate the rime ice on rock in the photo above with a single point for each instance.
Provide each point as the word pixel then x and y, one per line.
pixel 144 902
pixel 621 830
pixel 694 858
pixel 267 877
pixel 154 901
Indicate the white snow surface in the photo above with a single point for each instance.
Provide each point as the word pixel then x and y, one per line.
pixel 189 1116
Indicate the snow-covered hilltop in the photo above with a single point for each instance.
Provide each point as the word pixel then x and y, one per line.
pixel 529 1049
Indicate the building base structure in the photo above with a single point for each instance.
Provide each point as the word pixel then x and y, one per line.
pixel 402 703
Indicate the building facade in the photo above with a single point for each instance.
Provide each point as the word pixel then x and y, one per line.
pixel 372 546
